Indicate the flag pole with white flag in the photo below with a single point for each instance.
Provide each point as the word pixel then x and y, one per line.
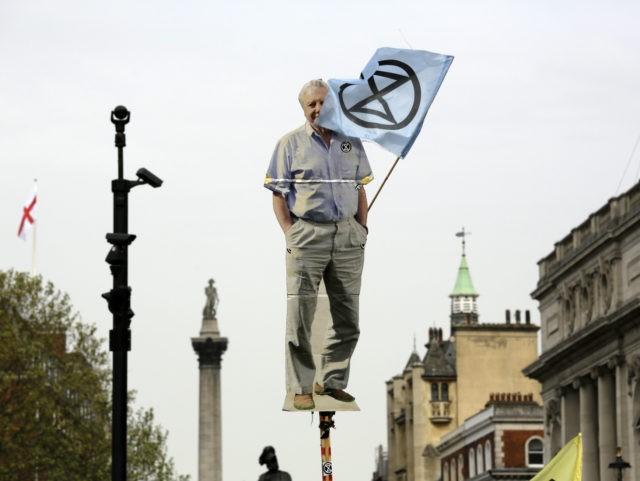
pixel 28 222
pixel 389 102
pixel 566 465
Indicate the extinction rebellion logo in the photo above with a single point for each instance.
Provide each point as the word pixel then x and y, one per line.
pixel 345 146
pixel 373 111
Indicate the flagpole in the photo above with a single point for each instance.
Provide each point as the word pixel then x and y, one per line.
pixel 383 182
pixel 33 240
pixel 33 250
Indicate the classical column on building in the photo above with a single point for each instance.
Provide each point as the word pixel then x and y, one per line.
pixel 570 412
pixel 606 420
pixel 209 347
pixel 553 424
pixel 589 429
pixel 628 397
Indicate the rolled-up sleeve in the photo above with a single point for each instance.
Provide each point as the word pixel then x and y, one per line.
pixel 278 177
pixel 364 175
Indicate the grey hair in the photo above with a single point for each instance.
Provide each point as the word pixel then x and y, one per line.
pixel 311 84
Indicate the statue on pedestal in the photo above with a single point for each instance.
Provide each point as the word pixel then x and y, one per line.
pixel 209 311
pixel 269 458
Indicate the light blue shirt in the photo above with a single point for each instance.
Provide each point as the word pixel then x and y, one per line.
pixel 320 183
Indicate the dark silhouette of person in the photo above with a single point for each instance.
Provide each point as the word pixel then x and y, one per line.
pixel 269 458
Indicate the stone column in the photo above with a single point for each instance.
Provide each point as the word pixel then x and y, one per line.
pixel 588 419
pixel 553 424
pixel 628 389
pixel 606 422
pixel 209 347
pixel 570 412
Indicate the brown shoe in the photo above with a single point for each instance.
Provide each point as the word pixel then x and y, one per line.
pixel 303 402
pixel 337 394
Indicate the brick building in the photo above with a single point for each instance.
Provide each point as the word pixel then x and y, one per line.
pixel 501 442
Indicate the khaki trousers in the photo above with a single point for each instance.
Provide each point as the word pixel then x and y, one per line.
pixel 333 252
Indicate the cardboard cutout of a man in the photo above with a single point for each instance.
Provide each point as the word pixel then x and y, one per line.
pixel 317 179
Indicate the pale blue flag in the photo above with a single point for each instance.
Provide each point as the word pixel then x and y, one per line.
pixel 389 102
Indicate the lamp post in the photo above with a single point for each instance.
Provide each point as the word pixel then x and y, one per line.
pixel 619 464
pixel 119 297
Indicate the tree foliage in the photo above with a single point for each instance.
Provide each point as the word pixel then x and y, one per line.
pixel 147 453
pixel 55 394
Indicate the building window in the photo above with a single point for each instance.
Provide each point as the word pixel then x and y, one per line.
pixel 534 452
pixel 445 472
pixel 460 467
pixel 487 456
pixel 439 392
pixel 479 459
pixel 472 463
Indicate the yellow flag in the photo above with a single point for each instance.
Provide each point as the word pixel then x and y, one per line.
pixel 566 465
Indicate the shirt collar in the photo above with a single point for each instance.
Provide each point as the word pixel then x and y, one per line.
pixel 309 130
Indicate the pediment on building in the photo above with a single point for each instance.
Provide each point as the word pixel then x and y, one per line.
pixel 430 451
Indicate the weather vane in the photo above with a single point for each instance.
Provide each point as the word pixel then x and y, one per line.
pixel 463 234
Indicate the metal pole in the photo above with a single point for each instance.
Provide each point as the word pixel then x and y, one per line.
pixel 119 299
pixel 326 423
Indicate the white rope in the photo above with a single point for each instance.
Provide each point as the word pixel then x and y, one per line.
pixel 311 181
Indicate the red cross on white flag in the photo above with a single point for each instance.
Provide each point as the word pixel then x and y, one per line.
pixel 28 213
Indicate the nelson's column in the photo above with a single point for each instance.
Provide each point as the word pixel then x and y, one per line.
pixel 210 346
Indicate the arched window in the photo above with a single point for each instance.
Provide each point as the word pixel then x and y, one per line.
pixel 444 391
pixel 460 467
pixel 534 452
pixel 434 391
pixel 472 463
pixel 454 471
pixel 479 459
pixel 487 456
pixel 445 472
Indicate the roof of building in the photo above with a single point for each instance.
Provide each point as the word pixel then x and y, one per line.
pixel 440 359
pixel 413 359
pixel 464 284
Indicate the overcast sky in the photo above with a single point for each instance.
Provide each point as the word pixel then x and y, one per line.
pixel 533 130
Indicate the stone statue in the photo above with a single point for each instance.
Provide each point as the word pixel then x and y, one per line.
pixel 269 458
pixel 209 311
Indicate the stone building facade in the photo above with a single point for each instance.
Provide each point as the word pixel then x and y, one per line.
pixel 589 368
pixel 454 380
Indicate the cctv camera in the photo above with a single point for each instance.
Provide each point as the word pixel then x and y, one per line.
pixel 149 178
pixel 120 112
pixel 120 115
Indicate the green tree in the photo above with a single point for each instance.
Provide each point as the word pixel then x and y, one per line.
pixel 147 453
pixel 55 394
